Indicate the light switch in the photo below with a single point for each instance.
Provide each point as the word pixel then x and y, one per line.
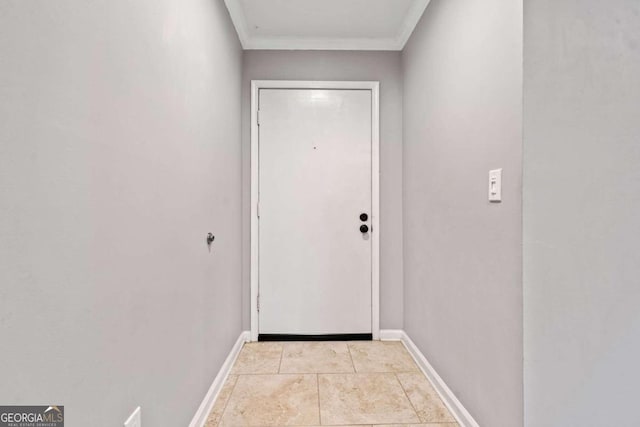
pixel 495 185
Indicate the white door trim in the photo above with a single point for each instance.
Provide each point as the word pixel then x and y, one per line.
pixel 256 85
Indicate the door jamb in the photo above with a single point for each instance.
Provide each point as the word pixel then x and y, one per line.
pixel 374 87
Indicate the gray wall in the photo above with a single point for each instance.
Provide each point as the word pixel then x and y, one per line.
pixel 119 151
pixel 462 267
pixel 582 212
pixel 320 65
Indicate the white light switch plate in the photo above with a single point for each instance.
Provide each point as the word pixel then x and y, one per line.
pixel 495 185
pixel 135 419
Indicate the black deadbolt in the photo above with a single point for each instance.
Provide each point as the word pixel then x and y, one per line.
pixel 364 228
pixel 364 217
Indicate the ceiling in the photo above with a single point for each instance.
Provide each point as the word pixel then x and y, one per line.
pixel 325 24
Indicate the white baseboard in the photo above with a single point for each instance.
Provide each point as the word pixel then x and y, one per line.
pixel 200 418
pixel 391 334
pixel 462 416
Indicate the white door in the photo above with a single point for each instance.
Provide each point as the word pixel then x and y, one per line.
pixel 315 183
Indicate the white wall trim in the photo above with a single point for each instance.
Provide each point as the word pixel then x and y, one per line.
pixel 462 416
pixel 306 43
pixel 251 42
pixel 200 418
pixel 410 22
pixel 256 85
pixel 391 334
pixel 239 20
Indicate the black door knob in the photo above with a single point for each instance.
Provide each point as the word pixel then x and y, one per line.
pixel 364 217
pixel 364 228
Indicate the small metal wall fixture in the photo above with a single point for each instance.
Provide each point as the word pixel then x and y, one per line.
pixel 210 239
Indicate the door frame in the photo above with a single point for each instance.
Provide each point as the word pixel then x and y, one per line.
pixel 374 87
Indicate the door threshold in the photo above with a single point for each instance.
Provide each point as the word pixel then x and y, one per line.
pixel 326 337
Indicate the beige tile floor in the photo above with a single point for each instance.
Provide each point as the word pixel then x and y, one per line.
pixel 327 383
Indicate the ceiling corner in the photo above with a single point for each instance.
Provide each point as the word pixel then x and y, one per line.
pixel 239 21
pixel 391 42
pixel 411 21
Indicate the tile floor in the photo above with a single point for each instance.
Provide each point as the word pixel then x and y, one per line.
pixel 327 383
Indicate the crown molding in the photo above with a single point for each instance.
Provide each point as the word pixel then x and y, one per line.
pixel 250 42
pixel 299 43
pixel 411 21
pixel 239 20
